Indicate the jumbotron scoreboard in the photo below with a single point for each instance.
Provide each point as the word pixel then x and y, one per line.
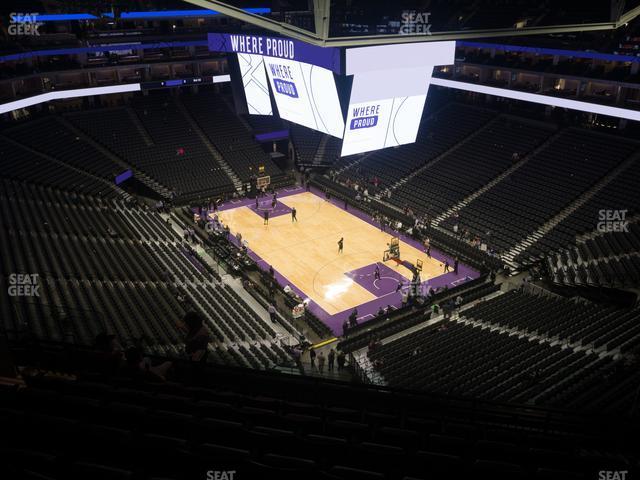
pixel 371 97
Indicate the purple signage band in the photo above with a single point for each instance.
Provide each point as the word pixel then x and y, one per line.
pixel 272 136
pixel 126 175
pixel 285 48
pixel 364 122
pixel 285 88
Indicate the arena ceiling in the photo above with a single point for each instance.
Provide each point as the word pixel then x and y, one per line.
pixel 614 17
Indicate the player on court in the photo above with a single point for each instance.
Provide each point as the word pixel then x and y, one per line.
pixel 340 244
pixel 376 273
pixel 294 218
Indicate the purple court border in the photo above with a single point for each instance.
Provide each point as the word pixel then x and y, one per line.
pixel 366 311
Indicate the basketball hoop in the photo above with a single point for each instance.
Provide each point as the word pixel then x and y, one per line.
pixel 393 253
pixel 263 182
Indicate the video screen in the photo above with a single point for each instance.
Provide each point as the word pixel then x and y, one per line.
pixel 254 81
pixel 306 94
pixel 390 86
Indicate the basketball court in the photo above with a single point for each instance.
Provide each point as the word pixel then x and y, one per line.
pixel 305 254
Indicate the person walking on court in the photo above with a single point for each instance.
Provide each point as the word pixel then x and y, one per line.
pixel 353 318
pixel 331 359
pixel 321 360
pixel 446 265
pixel 376 273
pixel 312 356
pixel 294 213
pixel 340 244
pixel 266 217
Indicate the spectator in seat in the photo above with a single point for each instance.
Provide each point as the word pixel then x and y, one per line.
pixel 111 232
pixel 197 336
pixel 353 318
pixel 109 354
pixel 140 368
pixel 458 302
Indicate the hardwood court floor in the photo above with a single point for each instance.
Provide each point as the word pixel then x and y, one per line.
pixel 306 252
